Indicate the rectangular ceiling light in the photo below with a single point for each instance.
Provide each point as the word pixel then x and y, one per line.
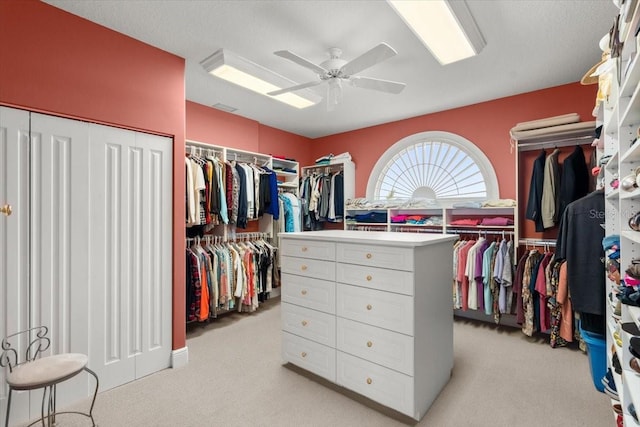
pixel 446 27
pixel 242 72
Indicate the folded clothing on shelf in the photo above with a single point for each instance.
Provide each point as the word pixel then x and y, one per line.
pixel 466 221
pixel 371 217
pixel 497 221
pixel 499 203
pixel 399 219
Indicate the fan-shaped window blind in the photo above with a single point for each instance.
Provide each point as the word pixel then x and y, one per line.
pixel 433 165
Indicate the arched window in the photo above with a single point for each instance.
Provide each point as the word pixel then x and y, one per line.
pixel 433 165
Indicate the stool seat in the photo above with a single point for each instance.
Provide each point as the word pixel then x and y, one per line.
pixel 46 371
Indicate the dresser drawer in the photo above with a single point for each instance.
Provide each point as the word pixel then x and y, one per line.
pixel 309 355
pixel 308 267
pixel 390 349
pixel 376 278
pixel 312 293
pixel 377 256
pixel 310 324
pixel 384 309
pixel 308 249
pixel 383 385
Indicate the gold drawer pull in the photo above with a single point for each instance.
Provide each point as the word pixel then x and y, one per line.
pixel 369 306
pixel 304 323
pixel 369 256
pixel 369 278
pixel 303 354
pixel 303 268
pixel 369 343
pixel 304 292
pixel 304 249
pixel 369 380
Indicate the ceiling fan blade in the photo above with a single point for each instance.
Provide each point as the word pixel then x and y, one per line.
pixel 378 84
pixel 294 88
pixel 300 61
pixel 368 59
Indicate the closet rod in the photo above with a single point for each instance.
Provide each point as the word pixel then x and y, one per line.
pixel 537 242
pixel 555 143
pixel 327 168
pixel 480 232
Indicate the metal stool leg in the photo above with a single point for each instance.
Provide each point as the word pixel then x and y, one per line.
pixel 95 393
pixel 6 422
pixel 44 399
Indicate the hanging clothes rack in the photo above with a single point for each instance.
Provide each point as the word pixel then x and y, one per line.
pixel 554 143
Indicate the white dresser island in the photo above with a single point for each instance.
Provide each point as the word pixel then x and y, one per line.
pixel 371 312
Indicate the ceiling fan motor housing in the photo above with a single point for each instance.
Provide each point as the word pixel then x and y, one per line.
pixel 333 65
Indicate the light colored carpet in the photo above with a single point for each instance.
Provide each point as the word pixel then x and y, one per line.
pixel 235 378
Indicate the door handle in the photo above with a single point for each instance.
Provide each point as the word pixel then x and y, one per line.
pixel 6 209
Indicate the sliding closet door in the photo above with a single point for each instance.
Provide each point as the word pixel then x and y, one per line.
pixel 14 240
pixel 130 201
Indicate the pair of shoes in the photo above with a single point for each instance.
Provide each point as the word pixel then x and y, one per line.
pixel 610 385
pixel 635 365
pixel 617 408
pixel 631 328
pixel 615 362
pixel 617 311
pixel 632 411
pixel 617 338
pixel 634 346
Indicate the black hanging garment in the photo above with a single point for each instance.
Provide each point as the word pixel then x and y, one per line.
pixel 534 204
pixel 580 243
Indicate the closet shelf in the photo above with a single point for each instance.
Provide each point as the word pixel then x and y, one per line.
pixel 629 194
pixel 631 79
pixel 634 236
pixel 634 312
pixel 287 185
pixel 631 114
pixel 633 153
pixel 613 195
pixel 612 164
pixel 285 173
pixel 482 227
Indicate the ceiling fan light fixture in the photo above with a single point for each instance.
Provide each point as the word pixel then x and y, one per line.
pixel 242 72
pixel 445 27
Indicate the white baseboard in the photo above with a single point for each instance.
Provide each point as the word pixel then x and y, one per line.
pixel 180 357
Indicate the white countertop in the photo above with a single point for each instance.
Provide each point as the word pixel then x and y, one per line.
pixel 378 237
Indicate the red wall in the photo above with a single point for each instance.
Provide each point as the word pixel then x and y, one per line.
pixel 55 62
pixel 212 126
pixel 280 143
pixel 486 124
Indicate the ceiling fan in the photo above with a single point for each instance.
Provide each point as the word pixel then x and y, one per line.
pixel 335 70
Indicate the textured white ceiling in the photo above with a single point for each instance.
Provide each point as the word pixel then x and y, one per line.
pixel 531 44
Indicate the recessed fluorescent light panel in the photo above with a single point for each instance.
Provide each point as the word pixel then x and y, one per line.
pixel 446 27
pixel 242 72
